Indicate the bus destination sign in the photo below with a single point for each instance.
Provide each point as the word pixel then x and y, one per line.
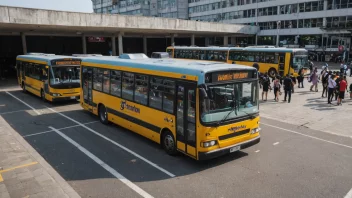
pixel 231 75
pixel 66 62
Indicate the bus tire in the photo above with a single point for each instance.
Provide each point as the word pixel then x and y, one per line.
pixel 23 87
pixel 103 114
pixel 168 143
pixel 42 95
pixel 272 72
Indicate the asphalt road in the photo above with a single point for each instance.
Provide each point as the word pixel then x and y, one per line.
pixel 108 161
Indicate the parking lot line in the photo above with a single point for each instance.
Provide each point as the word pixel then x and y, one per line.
pixel 43 132
pixel 328 141
pixel 9 112
pixel 104 165
pixel 349 194
pixel 16 167
pixel 37 112
pixel 117 144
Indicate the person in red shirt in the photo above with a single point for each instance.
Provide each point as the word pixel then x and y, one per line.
pixel 343 88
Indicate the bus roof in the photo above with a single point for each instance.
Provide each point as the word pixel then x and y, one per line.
pixel 201 48
pixel 47 58
pixel 250 49
pixel 183 67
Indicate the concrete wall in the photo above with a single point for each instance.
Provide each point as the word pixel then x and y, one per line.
pixel 21 16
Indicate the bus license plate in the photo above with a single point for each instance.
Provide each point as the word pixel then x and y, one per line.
pixel 73 97
pixel 236 148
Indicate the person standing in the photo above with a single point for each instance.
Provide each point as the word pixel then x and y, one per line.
pixel 288 87
pixel 314 79
pixel 324 79
pixel 277 89
pixel 266 86
pixel 331 87
pixel 300 78
pixel 343 88
pixel 337 88
pixel 342 67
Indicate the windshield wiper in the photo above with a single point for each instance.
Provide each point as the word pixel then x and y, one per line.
pixel 234 109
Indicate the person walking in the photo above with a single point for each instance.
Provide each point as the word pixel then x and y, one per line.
pixel 342 67
pixel 343 88
pixel 314 79
pixel 300 78
pixel 288 87
pixel 324 79
pixel 277 89
pixel 293 83
pixel 266 86
pixel 331 87
pixel 351 91
pixel 337 88
pixel 350 69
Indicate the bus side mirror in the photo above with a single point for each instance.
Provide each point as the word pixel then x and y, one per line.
pixel 203 93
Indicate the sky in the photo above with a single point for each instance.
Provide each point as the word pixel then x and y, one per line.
pixel 65 5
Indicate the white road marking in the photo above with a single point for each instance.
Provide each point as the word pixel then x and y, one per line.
pixel 37 112
pixel 257 151
pixel 9 112
pixel 39 133
pixel 276 143
pixel 328 141
pixel 349 194
pixel 115 143
pixel 104 165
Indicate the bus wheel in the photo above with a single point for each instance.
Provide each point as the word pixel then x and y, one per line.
pixel 169 143
pixel 103 114
pixel 43 95
pixel 272 72
pixel 23 87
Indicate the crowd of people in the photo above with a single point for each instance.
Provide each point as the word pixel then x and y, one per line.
pixel 334 84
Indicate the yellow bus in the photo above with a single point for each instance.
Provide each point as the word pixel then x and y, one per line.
pixel 51 77
pixel 280 61
pixel 201 109
pixel 273 60
pixel 218 54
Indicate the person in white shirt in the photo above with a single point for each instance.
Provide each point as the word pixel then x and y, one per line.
pixel 331 87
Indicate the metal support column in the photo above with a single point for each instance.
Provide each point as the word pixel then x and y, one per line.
pixel 24 43
pixel 226 41
pixel 192 39
pixel 120 43
pixel 145 45
pixel 113 45
pixel 84 44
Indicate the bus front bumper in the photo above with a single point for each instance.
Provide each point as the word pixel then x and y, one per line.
pixel 57 99
pixel 226 150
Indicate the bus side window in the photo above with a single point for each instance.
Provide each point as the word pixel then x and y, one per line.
pixel 282 58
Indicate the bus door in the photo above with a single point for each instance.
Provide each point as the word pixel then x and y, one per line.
pixel 87 82
pixel 186 118
pixel 282 69
pixel 46 78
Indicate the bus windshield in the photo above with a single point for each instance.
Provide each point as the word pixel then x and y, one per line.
pixel 65 75
pixel 300 59
pixel 228 101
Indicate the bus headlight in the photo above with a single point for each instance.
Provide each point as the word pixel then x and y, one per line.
pixel 255 130
pixel 209 143
pixel 55 94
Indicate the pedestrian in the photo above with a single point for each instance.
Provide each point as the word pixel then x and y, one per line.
pixel 350 69
pixel 324 79
pixel 288 87
pixel 342 67
pixel 337 88
pixel 343 88
pixel 311 65
pixel 300 78
pixel 314 79
pixel 266 86
pixel 331 87
pixel 277 89
pixel 351 91
pixel 293 83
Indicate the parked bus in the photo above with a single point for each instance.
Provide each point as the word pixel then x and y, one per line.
pixel 280 61
pixel 51 77
pixel 219 54
pixel 270 59
pixel 202 109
